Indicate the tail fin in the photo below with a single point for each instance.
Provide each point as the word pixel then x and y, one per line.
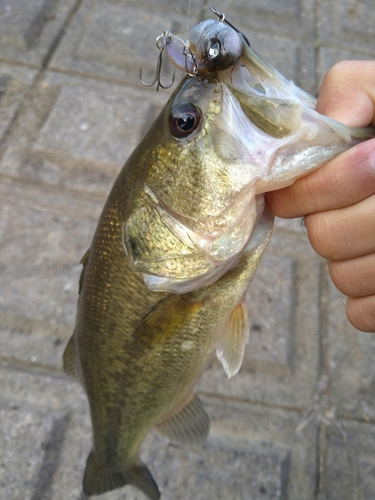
pixel 99 479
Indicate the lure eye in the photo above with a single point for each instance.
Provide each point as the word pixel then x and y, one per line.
pixel 185 119
pixel 213 49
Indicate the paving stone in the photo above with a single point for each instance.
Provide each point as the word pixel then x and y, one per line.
pixel 43 235
pixel 14 83
pixel 114 39
pixel 266 430
pixel 29 28
pixel 252 452
pixel 350 362
pixel 47 432
pixel 347 24
pixel 220 470
pixel 32 348
pixel 24 444
pixel 67 479
pixel 78 133
pixel 280 363
pixel 350 463
pixel 271 310
pixel 194 6
pixel 330 55
pixel 290 17
pixel 297 422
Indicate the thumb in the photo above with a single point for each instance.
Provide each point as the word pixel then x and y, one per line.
pixel 347 93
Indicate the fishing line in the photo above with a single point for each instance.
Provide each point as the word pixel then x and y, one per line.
pixel 187 23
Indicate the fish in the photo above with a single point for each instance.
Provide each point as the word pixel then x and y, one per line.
pixel 163 284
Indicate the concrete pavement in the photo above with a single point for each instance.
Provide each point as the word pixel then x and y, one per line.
pixel 298 422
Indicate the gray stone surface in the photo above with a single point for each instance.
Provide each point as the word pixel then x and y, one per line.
pixel 297 423
pixel 29 434
pixel 30 29
pixel 285 16
pixel 102 41
pixel 14 83
pixel 351 360
pixel 77 132
pixel 39 242
pixel 350 24
pixel 330 55
pixel 350 463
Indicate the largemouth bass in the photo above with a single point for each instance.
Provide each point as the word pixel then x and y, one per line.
pixel 179 240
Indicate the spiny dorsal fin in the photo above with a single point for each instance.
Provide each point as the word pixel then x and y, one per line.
pixel 188 425
pixel 231 347
pixel 99 478
pixel 69 359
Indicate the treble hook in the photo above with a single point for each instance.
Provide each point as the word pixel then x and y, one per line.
pixel 223 19
pixel 157 78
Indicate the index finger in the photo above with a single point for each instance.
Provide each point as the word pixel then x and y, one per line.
pixel 343 181
pixel 348 95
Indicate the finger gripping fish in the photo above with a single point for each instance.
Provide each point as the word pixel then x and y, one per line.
pixel 178 242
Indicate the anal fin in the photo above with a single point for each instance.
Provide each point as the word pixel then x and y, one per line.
pixel 69 359
pixel 188 425
pixel 231 347
pixel 99 478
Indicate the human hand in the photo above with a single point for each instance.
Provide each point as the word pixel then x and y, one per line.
pixel 338 200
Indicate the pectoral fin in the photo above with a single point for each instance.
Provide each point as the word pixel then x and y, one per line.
pixel 69 359
pixel 231 347
pixel 188 425
pixel 83 261
pixel 165 320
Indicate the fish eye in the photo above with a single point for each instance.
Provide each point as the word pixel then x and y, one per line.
pixel 184 120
